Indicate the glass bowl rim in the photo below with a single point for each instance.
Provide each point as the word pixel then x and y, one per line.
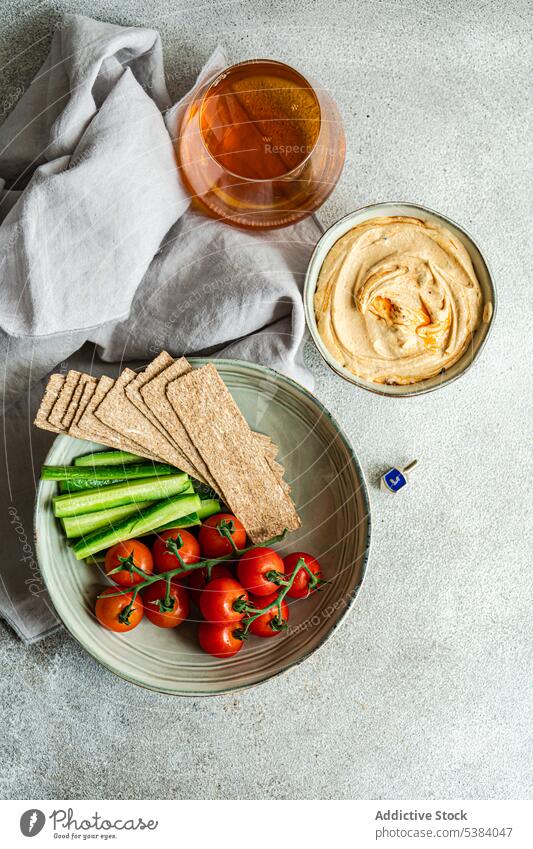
pixel 202 100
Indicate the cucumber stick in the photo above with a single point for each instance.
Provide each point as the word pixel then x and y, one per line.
pixel 108 458
pixel 145 521
pixel 206 508
pixel 86 523
pixel 106 473
pixel 188 521
pixel 129 492
pixel 94 483
pixel 185 522
pixel 78 486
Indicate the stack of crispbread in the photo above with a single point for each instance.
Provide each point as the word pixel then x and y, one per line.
pixel 175 414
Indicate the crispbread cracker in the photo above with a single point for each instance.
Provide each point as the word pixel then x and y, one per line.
pixel 63 399
pixel 53 388
pixel 270 450
pixel 228 448
pixel 132 389
pixel 279 471
pixel 161 362
pixel 113 413
pixel 90 427
pixel 154 394
pixel 72 408
pixel 116 411
pixel 86 395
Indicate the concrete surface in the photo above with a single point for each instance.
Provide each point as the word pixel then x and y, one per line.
pixel 426 691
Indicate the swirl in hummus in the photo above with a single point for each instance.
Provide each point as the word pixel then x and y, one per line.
pixel 397 300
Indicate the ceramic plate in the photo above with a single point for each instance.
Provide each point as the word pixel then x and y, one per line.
pixel 330 494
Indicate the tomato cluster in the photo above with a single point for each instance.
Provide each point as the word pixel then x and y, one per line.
pixel 231 594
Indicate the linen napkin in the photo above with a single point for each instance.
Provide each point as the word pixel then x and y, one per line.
pixel 103 260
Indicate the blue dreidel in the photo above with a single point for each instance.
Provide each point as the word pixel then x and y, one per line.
pixel 396 479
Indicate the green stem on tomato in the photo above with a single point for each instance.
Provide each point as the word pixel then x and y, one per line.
pixel 189 567
pixel 314 582
pixel 167 593
pixel 166 604
pixel 226 529
pixel 127 563
pixel 255 613
pixel 174 546
pixel 124 615
pixel 276 577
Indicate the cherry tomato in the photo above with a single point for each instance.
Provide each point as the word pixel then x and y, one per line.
pixel 269 624
pixel 170 542
pixel 253 569
pixel 300 587
pixel 218 598
pixel 198 580
pixel 155 608
pixel 111 611
pixel 128 553
pixel 220 640
pixel 213 543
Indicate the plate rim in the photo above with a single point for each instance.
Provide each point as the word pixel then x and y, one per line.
pixel 364 558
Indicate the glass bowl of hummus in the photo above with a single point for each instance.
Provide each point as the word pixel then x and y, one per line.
pixel 398 299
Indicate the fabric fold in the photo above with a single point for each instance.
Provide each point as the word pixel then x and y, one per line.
pixel 104 260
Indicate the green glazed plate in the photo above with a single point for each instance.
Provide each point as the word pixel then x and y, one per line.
pixel 329 490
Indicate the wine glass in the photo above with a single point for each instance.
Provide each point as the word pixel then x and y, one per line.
pixel 260 147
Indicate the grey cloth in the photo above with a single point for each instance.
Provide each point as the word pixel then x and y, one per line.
pixel 103 260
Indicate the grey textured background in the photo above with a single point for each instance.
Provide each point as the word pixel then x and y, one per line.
pixel 426 691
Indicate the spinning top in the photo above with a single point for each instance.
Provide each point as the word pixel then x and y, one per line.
pixel 396 479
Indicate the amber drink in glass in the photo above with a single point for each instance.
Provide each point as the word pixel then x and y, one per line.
pixel 259 147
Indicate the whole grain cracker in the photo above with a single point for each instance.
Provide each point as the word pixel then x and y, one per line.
pixel 132 389
pixel 268 446
pixel 64 398
pixel 229 450
pixel 161 362
pixel 87 393
pixel 116 411
pixel 72 408
pixel 270 450
pixel 53 388
pixel 90 427
pixel 279 471
pixel 154 395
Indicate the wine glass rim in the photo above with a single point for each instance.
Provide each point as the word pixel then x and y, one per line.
pixel 242 65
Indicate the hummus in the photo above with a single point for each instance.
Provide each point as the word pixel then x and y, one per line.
pixel 397 300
